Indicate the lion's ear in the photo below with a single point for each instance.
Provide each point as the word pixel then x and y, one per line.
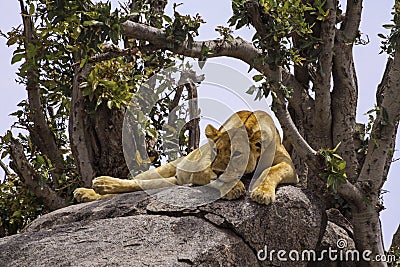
pixel 211 132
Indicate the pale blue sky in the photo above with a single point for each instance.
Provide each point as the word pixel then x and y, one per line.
pixel 369 65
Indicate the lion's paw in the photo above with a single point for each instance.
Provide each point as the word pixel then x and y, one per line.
pixel 106 185
pixel 263 195
pixel 85 195
pixel 237 191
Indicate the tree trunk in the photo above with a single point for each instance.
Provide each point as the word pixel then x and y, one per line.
pixel 368 234
pixel 107 125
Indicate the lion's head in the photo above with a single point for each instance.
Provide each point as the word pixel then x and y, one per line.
pixel 235 151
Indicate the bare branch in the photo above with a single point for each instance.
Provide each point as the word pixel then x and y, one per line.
pixel 344 103
pixel 345 90
pixel 239 48
pixel 304 150
pixel 322 84
pixel 352 195
pixel 352 20
pixel 194 118
pixel 384 130
pixel 31 179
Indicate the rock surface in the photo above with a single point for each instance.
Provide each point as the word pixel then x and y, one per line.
pixel 136 229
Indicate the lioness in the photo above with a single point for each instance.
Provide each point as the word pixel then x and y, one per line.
pixel 248 142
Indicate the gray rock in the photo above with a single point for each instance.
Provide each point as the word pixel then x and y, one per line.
pixel 136 229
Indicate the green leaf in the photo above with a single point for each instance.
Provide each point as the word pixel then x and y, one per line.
pixel 167 18
pixel 17 57
pixel 258 77
pixel 251 90
pixel 16 213
pixel 40 159
pixel 31 9
pixel 4 154
pixel 83 62
pixel 388 26
pixel 380 35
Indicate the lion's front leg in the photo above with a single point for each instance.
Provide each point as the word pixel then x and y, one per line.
pixel 231 190
pixel 109 185
pixel 264 193
pixel 88 195
pixel 237 191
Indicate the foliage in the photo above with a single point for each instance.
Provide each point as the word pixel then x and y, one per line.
pixel 110 81
pixel 394 252
pixel 225 32
pixel 182 29
pixel 335 168
pixel 282 20
pixel 18 206
pixel 391 42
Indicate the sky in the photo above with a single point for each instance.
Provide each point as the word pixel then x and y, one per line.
pixel 369 66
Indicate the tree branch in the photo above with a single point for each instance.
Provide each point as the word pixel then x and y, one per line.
pixel 113 53
pixel 322 84
pixel 42 135
pixel 381 144
pixel 352 20
pixel 5 168
pixel 344 103
pixel 31 179
pixel 238 48
pixel 82 146
pixel 253 8
pixel 345 90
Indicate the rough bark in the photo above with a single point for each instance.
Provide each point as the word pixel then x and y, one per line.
pixel 96 138
pixel 82 139
pixel 31 179
pixel 371 178
pixel 322 83
pixel 344 104
pixel 107 125
pixel 345 90
pixel 194 117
